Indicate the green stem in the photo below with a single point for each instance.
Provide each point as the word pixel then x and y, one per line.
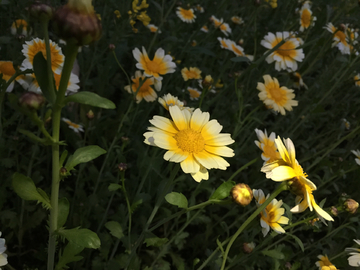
pixel 282 187
pixel 70 56
pixel 128 207
pixel 44 25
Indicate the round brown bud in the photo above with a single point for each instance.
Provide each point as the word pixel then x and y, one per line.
pixel 111 47
pixel 334 211
pixel 242 194
pixel 351 206
pixel 248 247
pixel 31 101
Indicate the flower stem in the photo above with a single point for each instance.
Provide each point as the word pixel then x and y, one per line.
pixel 282 187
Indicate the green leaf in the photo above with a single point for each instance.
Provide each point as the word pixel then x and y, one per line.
pixel 83 155
pixel 62 158
pixel 69 255
pixel 115 229
pixel 92 99
pixel 298 241
pixel 81 237
pixel 63 213
pixel 220 246
pixel 41 74
pixel 177 199
pixel 26 189
pixel 223 190
pixel 113 187
pixel 274 254
pixel 240 59
pixel 155 241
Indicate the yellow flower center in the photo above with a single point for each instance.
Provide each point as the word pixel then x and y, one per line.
pixel 306 18
pixel 187 14
pixel 6 68
pixel 144 87
pixel 287 49
pixel 276 94
pixel 190 141
pixel 223 27
pixel 236 50
pixel 270 151
pixel 341 36
pixel 153 66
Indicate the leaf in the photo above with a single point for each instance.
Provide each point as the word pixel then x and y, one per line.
pixel 223 191
pixel 298 241
pixel 69 255
pixel 62 158
pixel 81 237
pixel 240 59
pixel 26 189
pixel 113 187
pixel 115 229
pixel 274 254
pixel 139 199
pixel 92 99
pixel 41 74
pixel 63 213
pixel 177 199
pixel 83 155
pixel 155 241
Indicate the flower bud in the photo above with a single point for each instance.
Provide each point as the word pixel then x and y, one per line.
pixel 334 211
pixel 63 172
pixel 31 101
pixel 90 115
pixel 111 47
pixel 248 247
pixel 41 11
pixel 242 194
pixel 77 22
pixel 351 206
pixel 122 167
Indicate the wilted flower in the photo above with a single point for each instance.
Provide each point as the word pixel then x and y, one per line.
pixel 324 263
pixel 286 56
pixel 76 127
pixel 191 140
pixel 160 65
pixel 186 15
pixel 191 73
pixel 357 154
pixel 277 98
pixel 354 259
pixel 267 145
pixel 289 169
pixel 146 90
pixel 272 215
pixel 242 194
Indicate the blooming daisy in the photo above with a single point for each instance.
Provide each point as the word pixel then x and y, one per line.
pixel 357 79
pixel 146 90
pixel 286 55
pixel 238 50
pixel 306 18
pixel 237 20
pixel 31 48
pixel 288 168
pixel 194 93
pixel 73 86
pixel 224 43
pixel 153 28
pixel 357 154
pixel 267 145
pixel 160 65
pixel 278 98
pixel 170 100
pixel 192 140
pixel 340 39
pixel 204 29
pixel 19 25
pixel 324 263
pixel 186 15
pixel 272 215
pixel 3 256
pixel 76 127
pixel 7 70
pixel 191 73
pixel 346 123
pixel 224 27
pixel 298 81
pixel 354 259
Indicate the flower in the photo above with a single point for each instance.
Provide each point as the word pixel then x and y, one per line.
pixel 117 14
pixel 272 215
pixel 238 50
pixel 21 26
pixel 288 168
pixel 7 70
pixel 194 93
pixel 242 194
pixel 191 140
pixel 267 145
pixel 354 260
pixel 340 38
pixel 357 79
pixel 324 263
pixel 306 18
pixel 286 55
pixel 73 86
pixel 224 43
pixel 298 81
pixel 3 256
pixel 186 15
pixel 278 98
pixel 170 100
pixel 357 154
pixel 31 48
pixel 237 20
pixel 200 8
pixel 160 65
pixel 191 73
pixel 146 90
pixel 76 127
pixel 273 3
pixel 224 27
pixel 153 28
pixel 204 29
